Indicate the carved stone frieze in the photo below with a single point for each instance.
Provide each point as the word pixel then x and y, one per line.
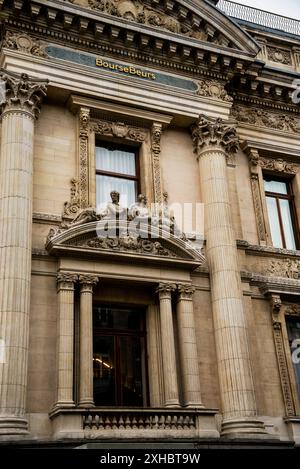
pixel 23 43
pixel 278 55
pixel 213 89
pixel 23 93
pixel 126 244
pixel 118 129
pixel 214 132
pixel 268 119
pixel 278 165
pixel 289 268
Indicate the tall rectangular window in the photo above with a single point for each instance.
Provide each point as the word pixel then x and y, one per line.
pixel 281 212
pixel 119 357
pixel 116 169
pixel 293 328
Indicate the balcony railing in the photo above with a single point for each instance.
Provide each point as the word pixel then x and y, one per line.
pixel 261 17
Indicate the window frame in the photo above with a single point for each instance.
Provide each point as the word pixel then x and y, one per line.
pixel 116 334
pixel 112 145
pixel 291 199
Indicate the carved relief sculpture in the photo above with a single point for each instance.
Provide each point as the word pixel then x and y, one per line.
pixel 289 268
pixel 282 56
pixel 84 119
pixel 262 118
pixel 213 89
pixel 23 43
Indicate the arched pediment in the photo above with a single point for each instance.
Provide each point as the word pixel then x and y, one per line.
pixel 116 240
pixel 192 19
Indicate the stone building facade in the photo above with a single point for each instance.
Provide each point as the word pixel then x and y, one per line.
pixel 152 337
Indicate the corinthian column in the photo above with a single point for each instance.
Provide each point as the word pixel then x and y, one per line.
pixel 86 394
pixel 214 140
pixel 20 107
pixel 168 345
pixel 65 339
pixel 188 347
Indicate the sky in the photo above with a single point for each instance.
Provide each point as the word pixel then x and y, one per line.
pixel 290 8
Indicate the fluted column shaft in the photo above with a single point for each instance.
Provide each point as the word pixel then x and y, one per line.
pixel 86 394
pixel 168 345
pixel 16 167
pixel 65 340
pixel 191 391
pixel 214 139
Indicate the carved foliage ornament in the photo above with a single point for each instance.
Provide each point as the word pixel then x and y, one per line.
pixel 23 43
pixel 208 131
pixel 22 92
pixel 118 129
pixel 261 118
pixel 279 55
pixel 278 165
pixel 213 89
pixel 73 206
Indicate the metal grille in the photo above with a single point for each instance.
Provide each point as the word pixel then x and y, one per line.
pixel 261 17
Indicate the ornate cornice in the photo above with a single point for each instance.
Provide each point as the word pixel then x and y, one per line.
pixel 214 132
pixel 119 129
pixel 262 118
pixel 22 93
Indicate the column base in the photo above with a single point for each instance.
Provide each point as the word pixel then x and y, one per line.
pixel 172 403
pixel 194 405
pixel 247 427
pixel 63 405
pixel 10 425
pixel 86 404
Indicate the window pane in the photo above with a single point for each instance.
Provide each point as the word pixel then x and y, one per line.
pixel 293 327
pixel 114 318
pixel 274 222
pixel 276 186
pixel 104 371
pixel 104 186
pixel 287 224
pixel 131 371
pixel 115 161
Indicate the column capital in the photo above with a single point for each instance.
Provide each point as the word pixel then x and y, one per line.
pixel 185 292
pixel 66 280
pixel 22 94
pixel 165 289
pixel 210 133
pixel 87 282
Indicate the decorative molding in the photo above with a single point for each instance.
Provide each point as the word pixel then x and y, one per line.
pixel 261 118
pixel 185 292
pixel 72 207
pixel 156 133
pixel 260 220
pixel 84 121
pixel 22 93
pixel 125 244
pixel 278 165
pixel 23 43
pixel 288 268
pixel 278 55
pixel 46 218
pixel 118 129
pixel 214 132
pixel 271 251
pixel 213 89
